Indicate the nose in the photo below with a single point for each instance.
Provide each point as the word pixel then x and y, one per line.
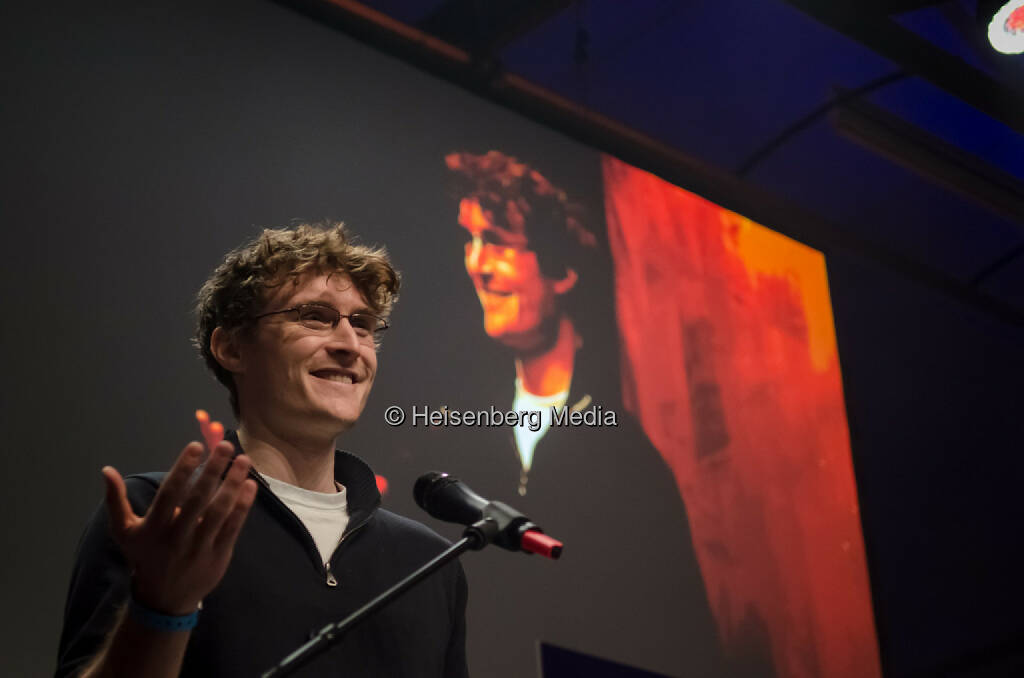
pixel 344 337
pixel 478 261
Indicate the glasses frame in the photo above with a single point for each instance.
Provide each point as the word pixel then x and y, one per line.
pixel 374 333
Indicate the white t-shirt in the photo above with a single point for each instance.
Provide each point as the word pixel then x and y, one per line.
pixel 325 514
pixel 526 440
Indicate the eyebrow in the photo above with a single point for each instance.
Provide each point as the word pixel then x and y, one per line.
pixel 501 234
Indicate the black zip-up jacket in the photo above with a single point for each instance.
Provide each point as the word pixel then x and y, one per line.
pixel 277 592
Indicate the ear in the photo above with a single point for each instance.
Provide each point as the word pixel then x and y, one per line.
pixel 565 284
pixel 226 348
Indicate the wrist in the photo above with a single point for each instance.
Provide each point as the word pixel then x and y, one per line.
pixel 158 621
pixel 156 597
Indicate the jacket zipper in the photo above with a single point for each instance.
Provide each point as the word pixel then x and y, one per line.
pixel 325 568
pixel 331 579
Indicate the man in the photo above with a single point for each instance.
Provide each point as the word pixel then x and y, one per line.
pixel 524 292
pixel 186 575
pixel 627 587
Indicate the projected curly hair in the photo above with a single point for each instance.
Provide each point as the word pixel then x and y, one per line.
pixel 518 198
pixel 239 286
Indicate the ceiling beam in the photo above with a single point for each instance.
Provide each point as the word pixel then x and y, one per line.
pixel 931 157
pixel 486 27
pixel 918 56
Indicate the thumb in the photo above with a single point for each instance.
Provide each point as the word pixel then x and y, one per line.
pixel 116 499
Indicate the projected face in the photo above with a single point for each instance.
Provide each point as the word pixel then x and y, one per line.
pixel 516 298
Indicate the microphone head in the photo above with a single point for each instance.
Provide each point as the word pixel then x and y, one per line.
pixel 446 498
pixel 424 485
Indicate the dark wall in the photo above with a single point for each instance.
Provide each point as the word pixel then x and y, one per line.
pixel 934 407
pixel 143 140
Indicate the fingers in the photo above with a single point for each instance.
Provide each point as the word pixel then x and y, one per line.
pixel 225 539
pixel 218 510
pixel 174 487
pixel 216 434
pixel 213 432
pixel 202 491
pixel 116 498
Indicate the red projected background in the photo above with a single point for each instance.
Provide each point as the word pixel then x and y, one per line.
pixel 730 364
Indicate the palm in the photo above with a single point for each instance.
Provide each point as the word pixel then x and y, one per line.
pixel 181 548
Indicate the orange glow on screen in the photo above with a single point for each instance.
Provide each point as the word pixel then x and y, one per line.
pixel 730 364
pixel 767 254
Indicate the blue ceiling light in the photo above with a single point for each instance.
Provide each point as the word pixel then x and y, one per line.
pixel 1006 29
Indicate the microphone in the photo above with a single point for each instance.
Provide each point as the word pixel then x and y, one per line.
pixel 447 498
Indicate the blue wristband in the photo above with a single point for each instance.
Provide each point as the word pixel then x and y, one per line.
pixel 162 622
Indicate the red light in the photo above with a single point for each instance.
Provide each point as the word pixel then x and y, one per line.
pixel 1015 22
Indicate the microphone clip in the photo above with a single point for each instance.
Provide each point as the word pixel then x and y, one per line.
pixel 502 525
pixel 481 533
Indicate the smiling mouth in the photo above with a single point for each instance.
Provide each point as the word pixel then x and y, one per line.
pixel 333 376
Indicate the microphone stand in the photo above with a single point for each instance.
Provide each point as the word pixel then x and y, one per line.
pixel 476 536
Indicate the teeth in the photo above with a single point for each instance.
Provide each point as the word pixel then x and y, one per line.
pixel 333 376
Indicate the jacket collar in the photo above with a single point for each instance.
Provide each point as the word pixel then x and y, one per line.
pixel 349 470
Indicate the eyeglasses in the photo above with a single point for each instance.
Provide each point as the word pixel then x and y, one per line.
pixel 323 318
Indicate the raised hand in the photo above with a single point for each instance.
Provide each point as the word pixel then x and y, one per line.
pixel 181 548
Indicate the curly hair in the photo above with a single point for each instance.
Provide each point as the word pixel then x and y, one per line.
pixel 521 199
pixel 240 285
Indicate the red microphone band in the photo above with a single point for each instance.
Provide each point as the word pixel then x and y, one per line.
pixel 541 544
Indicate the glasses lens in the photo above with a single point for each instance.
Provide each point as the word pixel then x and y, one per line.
pixel 366 324
pixel 317 317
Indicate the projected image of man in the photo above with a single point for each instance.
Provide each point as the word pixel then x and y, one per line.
pixel 542 276
pixel 510 213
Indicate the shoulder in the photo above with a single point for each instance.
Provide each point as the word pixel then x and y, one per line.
pixel 142 487
pixel 413 543
pixel 407 544
pixel 408 529
pixel 143 482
